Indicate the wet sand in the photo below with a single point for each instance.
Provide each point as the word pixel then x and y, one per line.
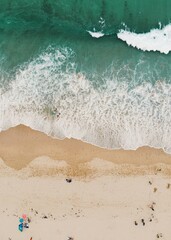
pixel 20 145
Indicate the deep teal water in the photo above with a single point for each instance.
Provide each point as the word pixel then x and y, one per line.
pixel 27 28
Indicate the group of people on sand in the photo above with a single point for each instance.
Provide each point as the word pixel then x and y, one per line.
pixel 23 223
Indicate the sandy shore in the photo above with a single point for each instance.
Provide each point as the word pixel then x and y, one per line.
pixel 72 190
pixel 20 145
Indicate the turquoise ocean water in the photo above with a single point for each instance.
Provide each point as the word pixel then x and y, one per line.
pixel 56 78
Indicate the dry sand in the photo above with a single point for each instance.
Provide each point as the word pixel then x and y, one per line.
pixel 102 208
pixel 119 194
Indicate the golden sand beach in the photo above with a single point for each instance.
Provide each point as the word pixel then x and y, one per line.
pixel 111 193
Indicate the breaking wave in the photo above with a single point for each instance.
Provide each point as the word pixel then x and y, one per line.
pixel 155 40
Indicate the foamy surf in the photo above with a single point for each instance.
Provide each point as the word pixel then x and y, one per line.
pixel 155 40
pixel 66 104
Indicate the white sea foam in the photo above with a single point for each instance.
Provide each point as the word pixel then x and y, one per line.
pixel 111 117
pixel 155 40
pixel 96 34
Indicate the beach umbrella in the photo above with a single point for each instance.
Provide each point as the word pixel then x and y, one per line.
pixel 20 227
pixel 24 216
pixel 21 220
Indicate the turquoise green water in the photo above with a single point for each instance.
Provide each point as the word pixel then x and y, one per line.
pixel 27 28
pixel 46 51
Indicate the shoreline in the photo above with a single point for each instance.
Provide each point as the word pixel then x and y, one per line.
pixel 20 145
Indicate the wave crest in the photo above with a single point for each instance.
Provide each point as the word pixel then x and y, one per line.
pixel 155 40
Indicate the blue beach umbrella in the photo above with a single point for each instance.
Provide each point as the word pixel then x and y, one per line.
pixel 21 220
pixel 20 227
